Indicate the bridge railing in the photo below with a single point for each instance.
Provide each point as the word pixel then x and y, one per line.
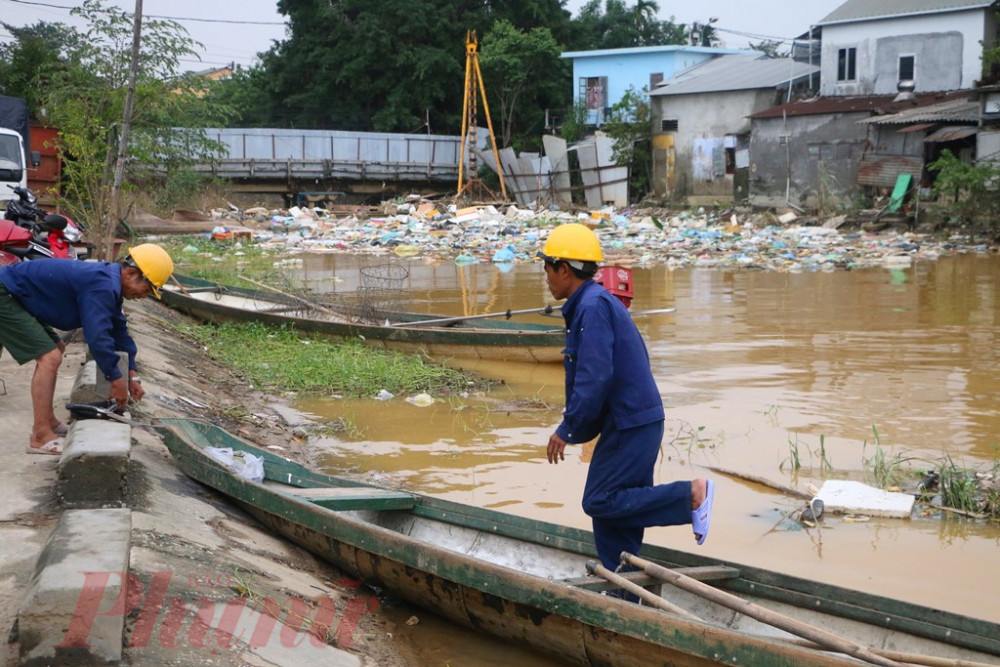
pixel 262 153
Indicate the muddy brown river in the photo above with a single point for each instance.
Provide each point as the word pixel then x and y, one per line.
pixel 758 371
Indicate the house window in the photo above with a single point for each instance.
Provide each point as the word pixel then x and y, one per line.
pixel 907 68
pixel 655 80
pixel 846 64
pixel 594 91
pixel 669 125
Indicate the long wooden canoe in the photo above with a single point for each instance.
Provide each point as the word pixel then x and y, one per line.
pixel 497 339
pixel 525 581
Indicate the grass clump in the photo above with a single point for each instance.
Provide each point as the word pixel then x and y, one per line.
pixel 285 360
pixel 222 261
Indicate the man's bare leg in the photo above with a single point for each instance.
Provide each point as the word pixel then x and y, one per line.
pixel 43 389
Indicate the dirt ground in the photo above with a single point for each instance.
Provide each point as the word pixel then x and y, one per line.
pixel 214 551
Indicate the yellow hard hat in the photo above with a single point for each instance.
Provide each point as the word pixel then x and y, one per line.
pixel 154 262
pixel 573 243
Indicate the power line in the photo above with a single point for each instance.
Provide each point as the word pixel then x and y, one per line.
pixel 155 16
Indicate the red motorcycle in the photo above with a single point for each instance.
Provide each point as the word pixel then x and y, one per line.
pixel 53 235
pixel 14 242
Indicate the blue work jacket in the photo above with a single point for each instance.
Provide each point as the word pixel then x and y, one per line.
pixel 609 383
pixel 68 294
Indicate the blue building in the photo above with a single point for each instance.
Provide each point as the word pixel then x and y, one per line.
pixel 604 75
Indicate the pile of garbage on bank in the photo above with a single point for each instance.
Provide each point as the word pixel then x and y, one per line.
pixel 417 227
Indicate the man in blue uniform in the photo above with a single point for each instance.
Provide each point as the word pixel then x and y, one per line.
pixel 610 391
pixel 39 296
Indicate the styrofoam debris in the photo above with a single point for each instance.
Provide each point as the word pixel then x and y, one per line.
pixel 846 497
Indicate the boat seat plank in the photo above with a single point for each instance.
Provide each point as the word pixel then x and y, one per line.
pixel 356 498
pixel 704 573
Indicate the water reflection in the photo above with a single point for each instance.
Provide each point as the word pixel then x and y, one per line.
pixel 756 368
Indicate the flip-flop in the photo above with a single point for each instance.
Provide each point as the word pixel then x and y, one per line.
pixel 61 429
pixel 701 518
pixel 53 447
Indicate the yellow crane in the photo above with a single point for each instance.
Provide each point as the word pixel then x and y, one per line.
pixel 470 126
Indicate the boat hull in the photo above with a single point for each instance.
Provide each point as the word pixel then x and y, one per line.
pixel 523 580
pixel 497 341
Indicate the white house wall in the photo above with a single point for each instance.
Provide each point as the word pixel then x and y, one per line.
pixel 703 123
pixel 946 49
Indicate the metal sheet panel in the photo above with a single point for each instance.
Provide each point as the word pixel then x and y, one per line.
pixel 952 133
pixel 883 170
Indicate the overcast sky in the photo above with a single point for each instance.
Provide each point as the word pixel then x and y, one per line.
pixel 237 30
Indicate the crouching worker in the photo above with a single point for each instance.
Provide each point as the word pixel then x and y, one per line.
pixel 610 391
pixel 39 296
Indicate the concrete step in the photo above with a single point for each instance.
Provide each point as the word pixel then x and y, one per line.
pixel 93 468
pixel 80 576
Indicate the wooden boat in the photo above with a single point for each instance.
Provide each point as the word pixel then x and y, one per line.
pixel 497 339
pixel 525 581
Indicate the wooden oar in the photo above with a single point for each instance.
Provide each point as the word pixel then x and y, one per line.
pixel 825 639
pixel 593 567
pixel 304 302
pixel 547 310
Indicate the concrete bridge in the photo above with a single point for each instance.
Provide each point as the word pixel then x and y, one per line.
pixel 321 166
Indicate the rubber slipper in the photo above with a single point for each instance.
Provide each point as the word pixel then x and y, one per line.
pixel 701 518
pixel 61 429
pixel 53 447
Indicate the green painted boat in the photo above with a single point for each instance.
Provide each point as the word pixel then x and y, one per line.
pixel 526 581
pixel 494 339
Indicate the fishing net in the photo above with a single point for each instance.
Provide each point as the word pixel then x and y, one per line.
pixel 380 291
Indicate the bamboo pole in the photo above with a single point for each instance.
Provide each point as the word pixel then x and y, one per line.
pixel 788 624
pixel 547 310
pixel 902 656
pixel 304 302
pixel 593 567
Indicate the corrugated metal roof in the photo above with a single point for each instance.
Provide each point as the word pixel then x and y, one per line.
pixel 666 48
pixel 952 111
pixel 952 133
pixel 854 11
pixel 737 72
pixel 872 104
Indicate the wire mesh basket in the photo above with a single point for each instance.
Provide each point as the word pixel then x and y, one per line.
pixel 381 290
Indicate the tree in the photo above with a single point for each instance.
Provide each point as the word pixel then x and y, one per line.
pixel 617 26
pixel 629 127
pixel 32 58
pixel 388 65
pixel 770 47
pixel 85 98
pixel 522 74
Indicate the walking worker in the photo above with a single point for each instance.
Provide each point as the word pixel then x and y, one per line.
pixel 610 391
pixel 39 296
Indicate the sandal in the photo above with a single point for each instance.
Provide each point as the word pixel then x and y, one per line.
pixel 53 447
pixel 701 518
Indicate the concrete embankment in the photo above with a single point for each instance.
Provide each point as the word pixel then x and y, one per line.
pixel 110 555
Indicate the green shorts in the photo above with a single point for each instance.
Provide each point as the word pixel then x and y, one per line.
pixel 21 334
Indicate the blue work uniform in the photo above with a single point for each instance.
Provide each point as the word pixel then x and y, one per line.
pixel 68 295
pixel 610 391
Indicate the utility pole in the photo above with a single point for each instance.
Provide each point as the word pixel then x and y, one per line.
pixel 119 176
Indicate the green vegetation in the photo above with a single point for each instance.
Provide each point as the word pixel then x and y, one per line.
pixel 223 261
pixel 285 360
pixel 794 460
pixel 958 487
pixel 968 193
pixel 629 127
pixel 79 83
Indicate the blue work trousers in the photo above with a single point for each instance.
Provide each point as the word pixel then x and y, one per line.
pixel 620 496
